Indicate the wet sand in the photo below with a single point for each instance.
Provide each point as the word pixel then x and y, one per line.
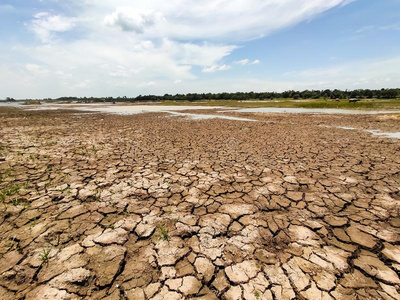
pixel 149 206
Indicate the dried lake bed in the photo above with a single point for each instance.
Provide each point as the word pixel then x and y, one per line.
pixel 198 203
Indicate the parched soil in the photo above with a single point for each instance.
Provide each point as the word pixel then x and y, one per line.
pixel 96 206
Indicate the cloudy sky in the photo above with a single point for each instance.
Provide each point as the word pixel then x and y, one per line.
pixel 53 48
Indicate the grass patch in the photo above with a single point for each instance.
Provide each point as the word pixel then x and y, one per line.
pixel 32 102
pixel 44 255
pixel 290 103
pixel 8 192
pixel 163 232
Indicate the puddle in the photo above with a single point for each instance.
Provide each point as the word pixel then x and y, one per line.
pixel 375 132
pixel 207 117
pixel 314 111
pixel 117 109
pixel 391 135
pixel 138 109
pixel 346 128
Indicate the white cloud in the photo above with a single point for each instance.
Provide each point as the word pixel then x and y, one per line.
pixel 365 29
pixel 213 69
pixel 361 74
pixel 205 54
pixel 246 61
pixel 242 62
pixel 89 81
pixel 222 20
pixel 132 19
pixel 391 27
pixel 124 45
pixel 44 25
pixel 36 69
pixel 147 84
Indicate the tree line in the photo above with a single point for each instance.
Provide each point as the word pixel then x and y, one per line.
pixel 291 94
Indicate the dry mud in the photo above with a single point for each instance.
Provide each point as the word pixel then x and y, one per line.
pixel 147 206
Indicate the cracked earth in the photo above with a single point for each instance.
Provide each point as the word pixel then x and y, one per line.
pixel 97 206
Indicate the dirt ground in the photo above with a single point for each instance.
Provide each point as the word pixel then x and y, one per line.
pixel 148 206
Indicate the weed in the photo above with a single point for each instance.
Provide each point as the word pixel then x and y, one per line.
pixel 33 156
pixel 15 201
pixel 164 233
pixel 44 255
pixel 10 191
pixel 257 294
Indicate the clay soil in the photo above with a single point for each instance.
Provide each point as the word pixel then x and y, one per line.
pixel 148 206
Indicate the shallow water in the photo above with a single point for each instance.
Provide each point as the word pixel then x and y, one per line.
pixel 207 117
pixel 392 135
pixel 314 111
pixel 137 109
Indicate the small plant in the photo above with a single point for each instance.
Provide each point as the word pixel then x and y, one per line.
pixel 164 233
pixel 257 294
pixel 10 191
pixel 15 201
pixel 44 255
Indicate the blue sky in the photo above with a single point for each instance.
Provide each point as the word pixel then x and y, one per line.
pixel 52 48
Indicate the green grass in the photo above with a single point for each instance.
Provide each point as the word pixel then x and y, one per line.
pixel 163 232
pixel 44 255
pixel 32 102
pixel 372 104
pixel 9 191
